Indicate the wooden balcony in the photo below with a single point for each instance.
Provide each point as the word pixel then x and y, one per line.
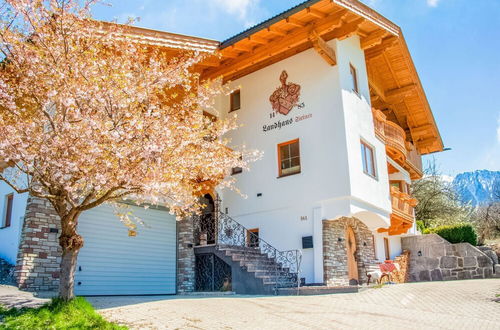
pixel 413 162
pixel 395 142
pixel 379 120
pixel 400 150
pixel 403 213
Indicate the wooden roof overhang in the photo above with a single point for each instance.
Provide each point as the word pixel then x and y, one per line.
pixel 395 87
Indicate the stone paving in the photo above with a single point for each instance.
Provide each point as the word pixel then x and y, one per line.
pixel 11 296
pixel 431 305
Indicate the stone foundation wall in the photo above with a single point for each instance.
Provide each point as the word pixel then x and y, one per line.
pixel 39 255
pixel 335 251
pixel 185 256
pixel 435 259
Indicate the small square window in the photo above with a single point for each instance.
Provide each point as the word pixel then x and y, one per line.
pixel 237 170
pixel 354 79
pixel 235 99
pixel 289 158
pixel 9 201
pixel 368 158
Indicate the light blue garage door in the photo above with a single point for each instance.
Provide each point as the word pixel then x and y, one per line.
pixel 113 263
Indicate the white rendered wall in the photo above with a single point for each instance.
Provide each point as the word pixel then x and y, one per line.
pixel 9 237
pixel 331 183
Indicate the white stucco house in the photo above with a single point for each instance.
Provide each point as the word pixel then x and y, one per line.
pixel 329 93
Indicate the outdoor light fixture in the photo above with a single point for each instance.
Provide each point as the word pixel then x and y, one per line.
pixel 419 253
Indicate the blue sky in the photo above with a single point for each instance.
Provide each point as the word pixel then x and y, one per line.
pixel 455 45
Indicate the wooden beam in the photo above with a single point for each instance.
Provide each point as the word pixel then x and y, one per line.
pixel 275 30
pixel 344 31
pixel 315 13
pixel 400 92
pixel 379 49
pixel 241 48
pixel 418 132
pixel 373 39
pixel 212 61
pixel 323 49
pixel 295 22
pixel 376 85
pixel 258 40
pixel 331 23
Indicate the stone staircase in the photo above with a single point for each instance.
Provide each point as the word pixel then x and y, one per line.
pixel 272 274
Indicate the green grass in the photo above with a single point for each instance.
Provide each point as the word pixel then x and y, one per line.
pixel 76 314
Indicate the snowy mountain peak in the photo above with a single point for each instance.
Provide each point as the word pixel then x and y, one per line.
pixel 478 187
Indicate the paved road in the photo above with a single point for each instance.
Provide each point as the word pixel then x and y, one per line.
pixel 437 305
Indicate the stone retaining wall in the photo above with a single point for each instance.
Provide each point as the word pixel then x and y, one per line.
pixel 432 258
pixel 39 255
pixel 335 250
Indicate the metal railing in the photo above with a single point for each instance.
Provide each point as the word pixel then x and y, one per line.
pixel 229 233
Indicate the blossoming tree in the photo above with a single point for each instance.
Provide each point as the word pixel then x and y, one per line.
pixel 89 115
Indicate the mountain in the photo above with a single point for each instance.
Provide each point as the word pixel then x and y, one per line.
pixel 478 187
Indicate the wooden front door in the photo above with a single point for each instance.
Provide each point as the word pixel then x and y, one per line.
pixel 352 263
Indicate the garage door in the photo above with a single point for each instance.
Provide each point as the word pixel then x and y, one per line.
pixel 113 263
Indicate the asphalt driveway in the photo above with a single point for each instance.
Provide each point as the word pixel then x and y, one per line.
pixel 433 305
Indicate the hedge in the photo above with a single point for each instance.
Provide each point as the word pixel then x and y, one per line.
pixel 460 233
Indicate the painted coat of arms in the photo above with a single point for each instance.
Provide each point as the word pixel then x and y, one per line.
pixel 285 97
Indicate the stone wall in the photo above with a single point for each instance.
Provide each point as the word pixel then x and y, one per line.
pixel 185 256
pixel 39 255
pixel 432 258
pixel 335 251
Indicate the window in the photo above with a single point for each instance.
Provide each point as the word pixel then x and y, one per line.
pixel 235 100
pixel 9 200
pixel 367 156
pixel 386 247
pixel 354 78
pixel 397 184
pixel 237 170
pixel 289 158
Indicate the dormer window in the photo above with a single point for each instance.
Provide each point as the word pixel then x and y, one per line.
pixel 235 101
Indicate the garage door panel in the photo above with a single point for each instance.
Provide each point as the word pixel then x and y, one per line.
pixel 113 263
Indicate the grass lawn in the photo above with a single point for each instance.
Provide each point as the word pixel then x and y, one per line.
pixel 76 314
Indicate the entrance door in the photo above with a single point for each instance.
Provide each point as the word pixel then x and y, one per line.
pixel 352 263
pixel 204 225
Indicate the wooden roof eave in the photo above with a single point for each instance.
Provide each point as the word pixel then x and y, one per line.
pixel 422 96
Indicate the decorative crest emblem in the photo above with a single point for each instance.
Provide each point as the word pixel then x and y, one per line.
pixel 285 97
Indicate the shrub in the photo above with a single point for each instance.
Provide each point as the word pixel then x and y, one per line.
pixel 421 226
pixel 459 233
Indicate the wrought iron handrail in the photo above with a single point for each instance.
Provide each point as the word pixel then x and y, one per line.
pixel 231 233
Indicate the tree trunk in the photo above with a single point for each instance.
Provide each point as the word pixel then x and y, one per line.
pixel 71 243
pixel 67 274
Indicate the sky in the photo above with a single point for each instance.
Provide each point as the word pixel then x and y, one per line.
pixel 455 45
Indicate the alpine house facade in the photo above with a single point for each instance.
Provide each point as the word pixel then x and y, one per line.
pixel 329 93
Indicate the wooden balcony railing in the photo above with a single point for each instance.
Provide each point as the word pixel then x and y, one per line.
pixel 403 205
pixel 395 141
pixel 414 162
pixel 403 214
pixel 379 120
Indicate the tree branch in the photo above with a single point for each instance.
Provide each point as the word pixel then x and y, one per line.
pixel 17 189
